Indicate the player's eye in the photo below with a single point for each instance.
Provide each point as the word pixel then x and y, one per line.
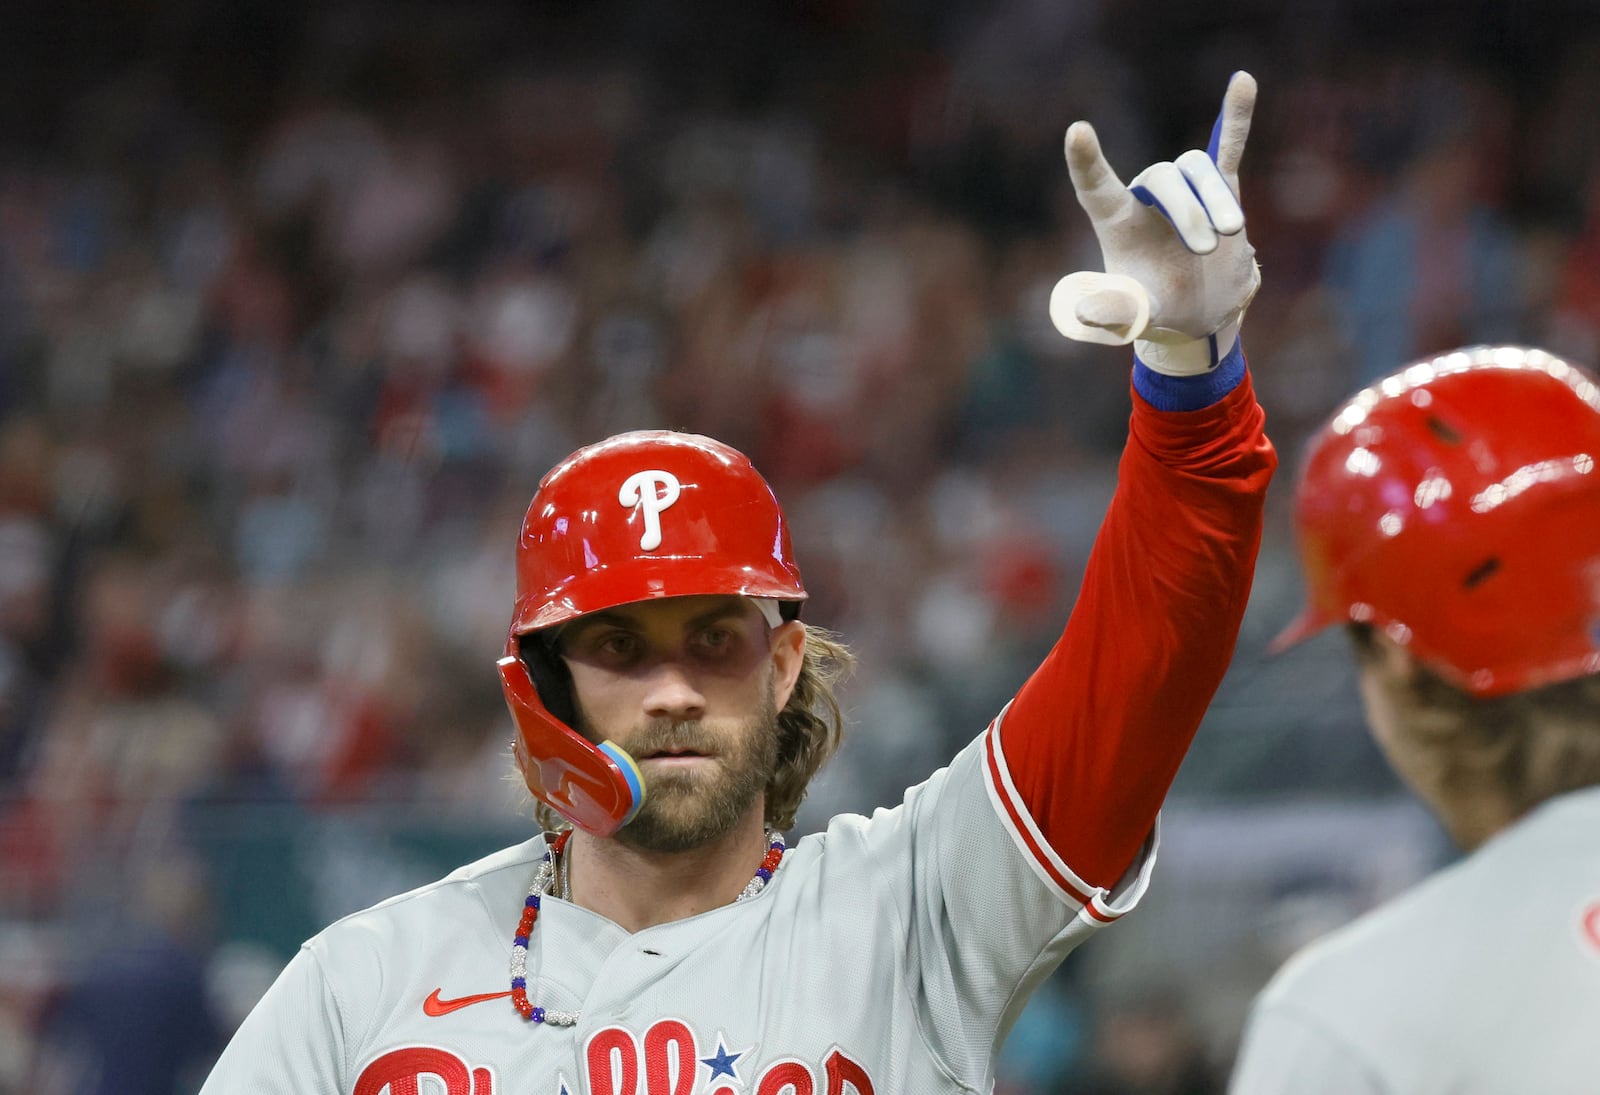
pixel 615 646
pixel 716 640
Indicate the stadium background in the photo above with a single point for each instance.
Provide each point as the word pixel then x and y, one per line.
pixel 298 299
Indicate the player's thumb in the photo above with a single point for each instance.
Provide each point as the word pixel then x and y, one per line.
pixel 1111 310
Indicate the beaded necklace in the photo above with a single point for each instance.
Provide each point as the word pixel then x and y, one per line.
pixel 546 877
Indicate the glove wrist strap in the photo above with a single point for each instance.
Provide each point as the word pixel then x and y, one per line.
pixel 1187 357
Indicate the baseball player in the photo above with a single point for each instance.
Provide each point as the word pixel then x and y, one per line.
pixel 1449 518
pixel 670 706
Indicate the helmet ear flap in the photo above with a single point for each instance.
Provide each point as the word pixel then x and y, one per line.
pixel 596 787
pixel 551 677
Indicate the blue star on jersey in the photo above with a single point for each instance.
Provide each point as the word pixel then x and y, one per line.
pixel 723 1062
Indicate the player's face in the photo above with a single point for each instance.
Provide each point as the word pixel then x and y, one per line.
pixel 691 688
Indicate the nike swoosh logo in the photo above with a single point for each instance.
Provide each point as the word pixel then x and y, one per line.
pixel 436 1007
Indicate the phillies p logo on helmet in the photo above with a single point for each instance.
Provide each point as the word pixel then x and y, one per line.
pixel 652 492
pixel 593 536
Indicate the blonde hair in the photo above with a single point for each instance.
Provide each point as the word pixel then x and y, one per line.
pixel 810 725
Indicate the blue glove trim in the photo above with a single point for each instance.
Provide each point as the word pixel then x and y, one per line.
pixel 1145 197
pixel 1142 192
pixel 1190 393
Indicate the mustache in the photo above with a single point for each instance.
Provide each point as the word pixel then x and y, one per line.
pixel 672 735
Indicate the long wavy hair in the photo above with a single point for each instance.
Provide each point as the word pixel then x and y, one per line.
pixel 810 725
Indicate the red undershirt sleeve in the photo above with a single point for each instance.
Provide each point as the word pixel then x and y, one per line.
pixel 1095 736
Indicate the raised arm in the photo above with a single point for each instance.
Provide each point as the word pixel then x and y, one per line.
pixel 1083 758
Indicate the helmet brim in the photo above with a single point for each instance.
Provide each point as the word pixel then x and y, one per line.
pixel 651 581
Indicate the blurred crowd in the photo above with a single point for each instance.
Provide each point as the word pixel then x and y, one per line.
pixel 298 301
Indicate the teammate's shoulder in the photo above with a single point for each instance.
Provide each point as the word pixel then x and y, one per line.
pixel 1379 957
pixel 1567 820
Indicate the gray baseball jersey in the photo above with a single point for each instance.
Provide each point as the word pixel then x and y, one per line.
pixel 1483 980
pixel 887 955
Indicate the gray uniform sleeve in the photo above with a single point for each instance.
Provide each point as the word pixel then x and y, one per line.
pixel 980 923
pixel 292 1041
pixel 1287 1053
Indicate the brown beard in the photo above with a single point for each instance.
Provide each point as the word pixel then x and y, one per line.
pixel 683 810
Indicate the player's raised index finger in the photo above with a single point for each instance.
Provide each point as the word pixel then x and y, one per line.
pixel 1100 192
pixel 1233 123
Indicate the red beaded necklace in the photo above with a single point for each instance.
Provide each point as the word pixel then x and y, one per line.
pixel 542 882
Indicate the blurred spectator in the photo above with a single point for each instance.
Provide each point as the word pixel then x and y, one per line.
pixel 1433 264
pixel 1146 1043
pixel 134 1015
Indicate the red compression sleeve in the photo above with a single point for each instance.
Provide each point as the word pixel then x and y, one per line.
pixel 1095 736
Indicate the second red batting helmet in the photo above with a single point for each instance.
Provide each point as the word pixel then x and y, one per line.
pixel 638 516
pixel 1456 505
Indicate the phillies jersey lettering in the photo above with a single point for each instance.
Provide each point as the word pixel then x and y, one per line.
pixel 1589 927
pixel 665 1061
pixel 401 1072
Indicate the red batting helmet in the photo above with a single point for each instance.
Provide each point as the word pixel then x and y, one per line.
pixel 635 517
pixel 1456 505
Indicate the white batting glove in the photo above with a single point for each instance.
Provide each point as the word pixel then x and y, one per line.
pixel 1179 270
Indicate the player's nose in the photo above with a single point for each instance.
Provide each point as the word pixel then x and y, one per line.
pixel 671 692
